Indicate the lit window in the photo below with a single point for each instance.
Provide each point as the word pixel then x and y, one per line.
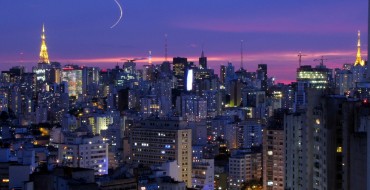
pixel 339 149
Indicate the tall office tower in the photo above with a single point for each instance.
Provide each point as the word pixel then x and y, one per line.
pixel 90 80
pixel 157 141
pixel 180 68
pixel 296 150
pixel 148 72
pixel 235 92
pixel 318 77
pixel 203 61
pixel 262 75
pixel 250 133
pixel 15 99
pixel 84 152
pixel 73 75
pixel 274 153
pixel 222 74
pixel 129 68
pixel 163 92
pixel 244 166
pixel 230 72
pixel 343 81
pixel 335 142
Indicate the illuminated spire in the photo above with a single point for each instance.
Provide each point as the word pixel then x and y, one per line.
pixel 150 57
pixel 359 60
pixel 44 56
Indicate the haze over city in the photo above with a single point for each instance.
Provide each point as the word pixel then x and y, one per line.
pixel 78 32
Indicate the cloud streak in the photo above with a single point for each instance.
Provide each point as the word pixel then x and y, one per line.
pixel 281 65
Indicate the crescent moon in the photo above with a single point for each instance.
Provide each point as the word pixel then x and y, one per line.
pixel 120 16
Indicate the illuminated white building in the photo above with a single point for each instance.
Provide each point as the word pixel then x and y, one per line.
pixel 85 153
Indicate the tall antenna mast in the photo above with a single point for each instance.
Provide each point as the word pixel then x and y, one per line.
pixel 300 58
pixel 241 54
pixel 165 47
pixel 150 57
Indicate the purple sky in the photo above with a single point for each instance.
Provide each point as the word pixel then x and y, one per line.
pixel 78 31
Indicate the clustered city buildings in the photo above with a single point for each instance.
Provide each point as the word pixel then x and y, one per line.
pixel 177 125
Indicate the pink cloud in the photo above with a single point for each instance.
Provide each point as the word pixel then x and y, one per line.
pixel 281 65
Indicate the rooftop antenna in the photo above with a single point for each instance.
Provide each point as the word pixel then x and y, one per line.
pixel 202 55
pixel 150 58
pixel 300 55
pixel 165 47
pixel 241 54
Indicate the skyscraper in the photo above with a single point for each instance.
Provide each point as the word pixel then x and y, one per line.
pixel 262 75
pixel 180 67
pixel 273 153
pixel 203 61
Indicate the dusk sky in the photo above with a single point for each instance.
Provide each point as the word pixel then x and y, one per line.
pixel 78 31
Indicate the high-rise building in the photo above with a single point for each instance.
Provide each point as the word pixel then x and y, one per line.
pixel 319 77
pixel 262 75
pixel 180 67
pixel 73 75
pixel 296 151
pixel 203 61
pixel 274 153
pixel 222 74
pixel 155 141
pixel 343 81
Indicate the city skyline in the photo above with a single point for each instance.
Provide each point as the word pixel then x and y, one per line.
pixel 80 33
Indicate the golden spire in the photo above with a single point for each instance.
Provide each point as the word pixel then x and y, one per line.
pixel 359 60
pixel 44 56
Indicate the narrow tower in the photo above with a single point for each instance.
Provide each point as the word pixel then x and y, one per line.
pixel 241 54
pixel 44 56
pixel 165 48
pixel 202 61
pixel 359 60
